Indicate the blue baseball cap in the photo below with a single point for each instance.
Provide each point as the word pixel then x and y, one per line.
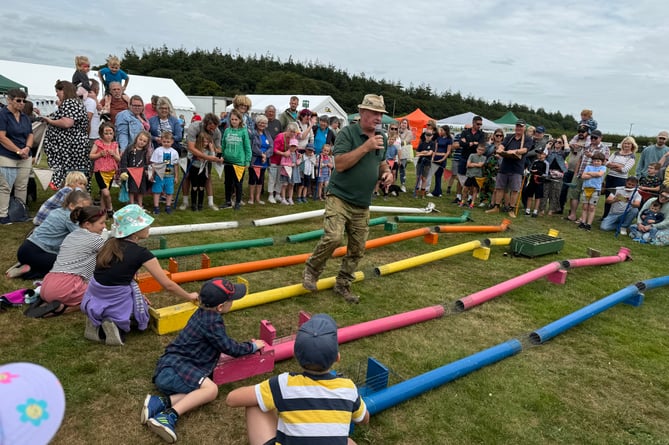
pixel 316 347
pixel 540 129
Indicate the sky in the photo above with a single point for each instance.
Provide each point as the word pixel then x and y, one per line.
pixel 559 55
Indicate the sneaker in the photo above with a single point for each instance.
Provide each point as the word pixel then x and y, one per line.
pixel 429 195
pixel 251 202
pixel 403 188
pixel 581 225
pixel 238 205
pixel 168 210
pixel 91 331
pixel 527 212
pixel 483 204
pixel 290 201
pixel 535 215
pixel 587 227
pixel 493 210
pixel 309 279
pixel 213 207
pixel 184 206
pixel 112 334
pixel 284 202
pixel 623 231
pixel 163 425
pixel 227 205
pixel 152 406
pixel 156 210
pixel 262 203
pixel 271 199
pixel 5 221
pixel 345 293
pixel 456 201
pixel 448 191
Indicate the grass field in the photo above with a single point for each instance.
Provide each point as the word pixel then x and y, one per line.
pixel 602 382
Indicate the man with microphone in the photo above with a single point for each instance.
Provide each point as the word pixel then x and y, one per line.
pixel 359 158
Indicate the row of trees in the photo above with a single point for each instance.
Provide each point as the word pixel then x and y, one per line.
pixel 214 73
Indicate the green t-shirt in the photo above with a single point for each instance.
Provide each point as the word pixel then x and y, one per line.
pixel 356 184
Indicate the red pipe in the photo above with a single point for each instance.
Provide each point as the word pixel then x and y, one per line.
pixel 284 351
pixel 623 255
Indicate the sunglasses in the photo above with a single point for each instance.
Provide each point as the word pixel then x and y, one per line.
pixel 393 128
pixel 499 135
pixel 594 137
pixel 19 100
pixel 660 138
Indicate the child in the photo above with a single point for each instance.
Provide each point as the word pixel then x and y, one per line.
pixel 301 401
pixel 199 170
pixel 113 73
pixel 80 76
pixel 423 161
pixel 652 215
pixel 113 297
pixel 38 252
pixel 105 156
pixel 649 185
pixel 587 120
pixel 308 170
pixel 592 176
pixel 236 149
pixel 182 373
pixel 164 161
pixel 535 187
pixel 64 286
pixel 289 162
pixel 75 180
pixel 134 161
pixel 474 175
pixel 326 164
pixel 619 199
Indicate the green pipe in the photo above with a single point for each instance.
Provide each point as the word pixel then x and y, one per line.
pixel 434 219
pixel 217 247
pixel 315 234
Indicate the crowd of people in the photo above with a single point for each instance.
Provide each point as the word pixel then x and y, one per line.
pixel 292 158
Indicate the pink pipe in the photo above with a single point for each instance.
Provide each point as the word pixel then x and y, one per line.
pixel 623 255
pixel 284 351
pixel 495 291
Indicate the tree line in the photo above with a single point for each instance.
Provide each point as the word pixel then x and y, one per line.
pixel 215 73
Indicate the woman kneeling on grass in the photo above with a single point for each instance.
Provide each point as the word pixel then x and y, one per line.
pixel 113 297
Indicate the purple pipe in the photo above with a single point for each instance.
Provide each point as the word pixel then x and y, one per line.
pixel 555 272
pixel 284 351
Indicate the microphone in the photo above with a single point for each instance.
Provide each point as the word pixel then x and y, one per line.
pixel 378 131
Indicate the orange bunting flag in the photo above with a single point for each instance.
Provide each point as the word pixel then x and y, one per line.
pixel 257 170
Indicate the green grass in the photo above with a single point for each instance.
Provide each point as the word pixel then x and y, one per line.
pixel 602 382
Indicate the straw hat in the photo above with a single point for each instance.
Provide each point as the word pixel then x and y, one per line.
pixel 373 102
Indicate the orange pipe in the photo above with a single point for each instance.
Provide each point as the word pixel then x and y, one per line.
pixel 474 229
pixel 270 263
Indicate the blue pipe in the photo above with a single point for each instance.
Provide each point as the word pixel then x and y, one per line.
pixel 415 386
pixel 631 294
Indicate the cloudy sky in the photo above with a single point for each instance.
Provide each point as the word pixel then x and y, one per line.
pixel 610 56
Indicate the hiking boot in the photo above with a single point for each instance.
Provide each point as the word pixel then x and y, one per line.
pixel 163 425
pixel 91 331
pixel 495 209
pixel 309 279
pixel 112 334
pixel 152 406
pixel 345 292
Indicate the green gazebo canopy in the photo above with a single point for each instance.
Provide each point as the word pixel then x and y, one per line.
pixel 7 84
pixel 508 119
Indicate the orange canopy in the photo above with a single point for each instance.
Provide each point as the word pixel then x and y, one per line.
pixel 417 121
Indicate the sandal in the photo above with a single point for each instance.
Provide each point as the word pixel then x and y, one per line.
pixel 41 308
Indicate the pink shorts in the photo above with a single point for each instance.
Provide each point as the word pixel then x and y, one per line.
pixel 64 287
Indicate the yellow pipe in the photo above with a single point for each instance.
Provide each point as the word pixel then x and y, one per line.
pixel 499 241
pixel 282 293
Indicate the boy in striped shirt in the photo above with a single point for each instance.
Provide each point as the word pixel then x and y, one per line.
pixel 312 407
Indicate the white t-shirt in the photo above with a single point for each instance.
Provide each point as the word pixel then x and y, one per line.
pixel 91 107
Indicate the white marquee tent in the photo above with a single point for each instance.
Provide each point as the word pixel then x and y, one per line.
pixel 40 81
pixel 319 104
pixel 460 120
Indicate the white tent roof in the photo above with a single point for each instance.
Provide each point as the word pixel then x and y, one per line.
pixel 460 120
pixel 40 80
pixel 319 104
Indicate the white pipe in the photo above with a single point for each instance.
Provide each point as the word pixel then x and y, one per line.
pixel 428 209
pixel 185 228
pixel 288 218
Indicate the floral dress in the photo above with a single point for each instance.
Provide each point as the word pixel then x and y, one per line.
pixel 68 149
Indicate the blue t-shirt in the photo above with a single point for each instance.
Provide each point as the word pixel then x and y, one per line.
pixel 17 132
pixel 109 77
pixel 595 183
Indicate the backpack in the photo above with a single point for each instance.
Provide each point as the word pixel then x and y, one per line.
pixel 17 211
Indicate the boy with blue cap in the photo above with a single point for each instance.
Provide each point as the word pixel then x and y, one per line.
pixel 315 406
pixel 183 371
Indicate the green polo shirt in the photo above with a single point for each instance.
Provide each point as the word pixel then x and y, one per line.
pixel 356 184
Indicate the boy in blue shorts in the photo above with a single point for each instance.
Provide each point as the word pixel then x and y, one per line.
pixel 292 408
pixel 164 161
pixel 182 373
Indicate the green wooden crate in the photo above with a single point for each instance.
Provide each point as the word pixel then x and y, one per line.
pixel 536 245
